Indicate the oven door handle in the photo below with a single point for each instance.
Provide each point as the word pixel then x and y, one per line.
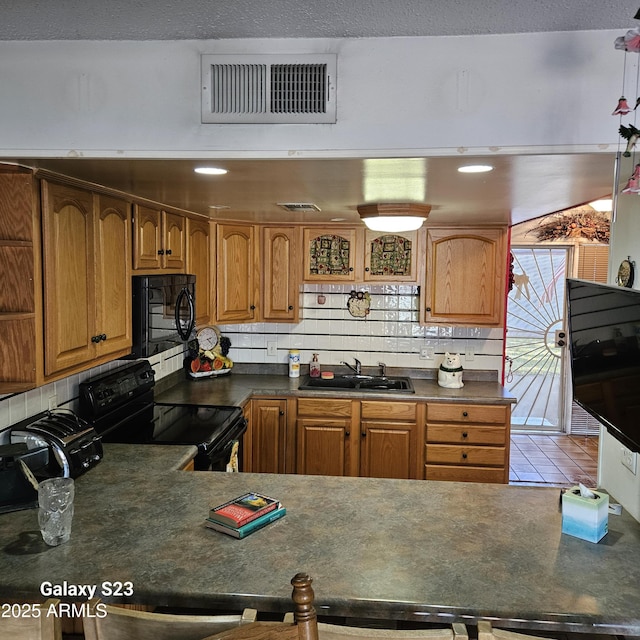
pixel 184 334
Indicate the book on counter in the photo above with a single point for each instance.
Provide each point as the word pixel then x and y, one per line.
pixel 250 527
pixel 244 509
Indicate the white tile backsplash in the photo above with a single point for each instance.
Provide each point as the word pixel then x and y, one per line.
pixel 390 333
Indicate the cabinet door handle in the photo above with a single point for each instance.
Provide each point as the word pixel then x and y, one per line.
pixel 464 456
pixel 347 434
pixel 95 339
pixel 160 252
pixel 168 252
pixel 252 307
pixel 465 414
pixel 464 434
pixel 103 336
pixel 428 309
pixel 366 268
pixel 281 413
pixel 290 307
pixel 363 434
pixel 350 268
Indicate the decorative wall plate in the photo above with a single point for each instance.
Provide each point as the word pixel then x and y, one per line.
pixel 626 271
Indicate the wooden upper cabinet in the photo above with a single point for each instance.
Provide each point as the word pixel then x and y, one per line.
pixel 147 242
pixel 237 277
pixel 331 255
pixel 281 269
pixel 69 294
pixel 465 276
pixel 87 289
pixel 392 257
pixel 159 239
pixel 174 227
pixel 200 263
pixel 112 243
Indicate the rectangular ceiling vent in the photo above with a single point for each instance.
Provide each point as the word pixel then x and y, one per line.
pixel 265 89
pixel 299 206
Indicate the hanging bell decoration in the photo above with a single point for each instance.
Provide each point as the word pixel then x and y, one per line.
pixel 623 108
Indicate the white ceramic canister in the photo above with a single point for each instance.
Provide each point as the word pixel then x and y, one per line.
pixel 294 363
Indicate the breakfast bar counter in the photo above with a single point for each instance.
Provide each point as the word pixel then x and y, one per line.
pixel 390 549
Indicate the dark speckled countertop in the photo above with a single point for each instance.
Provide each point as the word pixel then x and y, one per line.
pixel 398 549
pixel 235 389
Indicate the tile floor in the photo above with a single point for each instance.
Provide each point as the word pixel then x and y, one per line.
pixel 553 459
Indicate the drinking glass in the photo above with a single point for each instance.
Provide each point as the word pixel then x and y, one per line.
pixel 55 500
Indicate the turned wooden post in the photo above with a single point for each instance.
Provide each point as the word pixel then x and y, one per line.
pixel 304 611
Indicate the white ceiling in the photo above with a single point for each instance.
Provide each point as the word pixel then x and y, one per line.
pixel 214 19
pixel 519 187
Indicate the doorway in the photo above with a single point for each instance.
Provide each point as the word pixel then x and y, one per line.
pixel 535 346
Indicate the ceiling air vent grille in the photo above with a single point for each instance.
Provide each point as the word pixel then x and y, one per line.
pixel 268 89
pixel 299 206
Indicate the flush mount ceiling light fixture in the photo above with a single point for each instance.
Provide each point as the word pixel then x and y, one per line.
pixel 394 217
pixel 475 168
pixel 210 171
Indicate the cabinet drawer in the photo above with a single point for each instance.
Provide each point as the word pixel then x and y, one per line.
pixel 471 434
pixel 389 410
pixel 473 413
pixel 464 474
pixel 334 407
pixel 473 456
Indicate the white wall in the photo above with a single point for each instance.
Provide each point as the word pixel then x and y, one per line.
pixel 397 96
pixel 625 241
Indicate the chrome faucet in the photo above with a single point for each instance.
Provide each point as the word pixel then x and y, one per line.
pixel 383 369
pixel 357 369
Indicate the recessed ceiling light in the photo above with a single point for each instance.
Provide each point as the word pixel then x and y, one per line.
pixel 211 171
pixel 475 168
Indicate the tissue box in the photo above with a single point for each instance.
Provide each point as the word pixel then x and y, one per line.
pixel 586 518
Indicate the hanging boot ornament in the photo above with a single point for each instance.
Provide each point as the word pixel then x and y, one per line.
pixel 630 41
pixel 623 108
pixel 633 184
pixel 630 134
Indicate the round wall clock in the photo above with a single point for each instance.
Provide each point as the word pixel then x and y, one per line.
pixel 208 338
pixel 625 274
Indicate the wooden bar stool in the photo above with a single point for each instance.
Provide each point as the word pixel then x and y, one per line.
pixel 35 626
pixel 126 624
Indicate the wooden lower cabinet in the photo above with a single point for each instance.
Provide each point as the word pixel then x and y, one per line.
pixel 327 445
pixel 374 439
pixel 266 444
pixel 467 442
pixel 389 439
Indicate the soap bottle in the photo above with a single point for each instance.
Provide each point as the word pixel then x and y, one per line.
pixel 314 367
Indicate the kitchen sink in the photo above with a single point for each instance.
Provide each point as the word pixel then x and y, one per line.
pixel 360 383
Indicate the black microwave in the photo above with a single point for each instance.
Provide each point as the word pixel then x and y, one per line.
pixel 163 312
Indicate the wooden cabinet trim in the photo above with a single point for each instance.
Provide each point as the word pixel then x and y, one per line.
pixel 463 474
pixel 467 434
pixel 334 407
pixel 467 413
pixel 389 410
